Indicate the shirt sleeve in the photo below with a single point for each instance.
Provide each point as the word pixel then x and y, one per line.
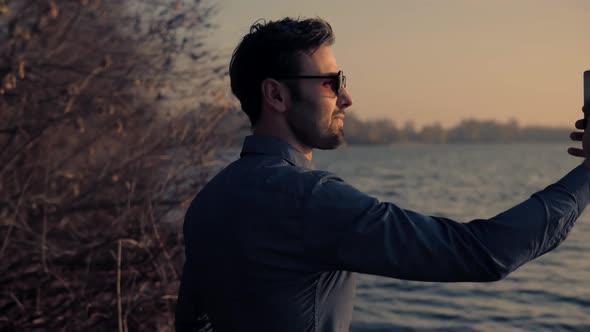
pixel 346 229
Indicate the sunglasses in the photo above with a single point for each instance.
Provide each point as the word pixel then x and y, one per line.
pixel 338 80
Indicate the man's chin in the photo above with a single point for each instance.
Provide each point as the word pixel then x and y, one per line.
pixel 332 142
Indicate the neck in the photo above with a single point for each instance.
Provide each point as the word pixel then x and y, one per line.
pixel 284 133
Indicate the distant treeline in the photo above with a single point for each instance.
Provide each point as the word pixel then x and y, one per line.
pixel 384 131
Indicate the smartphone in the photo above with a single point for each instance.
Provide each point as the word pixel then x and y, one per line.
pixel 586 107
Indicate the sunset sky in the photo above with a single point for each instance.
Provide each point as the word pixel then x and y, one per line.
pixel 443 61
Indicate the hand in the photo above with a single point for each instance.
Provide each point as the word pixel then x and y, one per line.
pixel 577 136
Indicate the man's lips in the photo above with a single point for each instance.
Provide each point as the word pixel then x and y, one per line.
pixel 339 115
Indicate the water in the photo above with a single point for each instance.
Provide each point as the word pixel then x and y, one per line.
pixel 465 182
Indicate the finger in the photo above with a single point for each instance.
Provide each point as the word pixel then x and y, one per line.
pixel 580 124
pixel 576 152
pixel 576 136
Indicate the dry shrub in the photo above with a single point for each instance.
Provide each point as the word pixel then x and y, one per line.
pixel 107 125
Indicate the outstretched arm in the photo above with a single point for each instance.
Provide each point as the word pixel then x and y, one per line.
pixel 349 230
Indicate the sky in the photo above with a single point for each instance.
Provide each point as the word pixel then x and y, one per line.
pixel 430 61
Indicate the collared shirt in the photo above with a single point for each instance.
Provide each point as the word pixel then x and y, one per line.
pixel 273 245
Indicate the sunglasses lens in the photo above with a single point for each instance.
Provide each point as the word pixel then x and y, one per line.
pixel 337 84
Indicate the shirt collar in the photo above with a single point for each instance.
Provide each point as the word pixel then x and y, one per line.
pixel 273 146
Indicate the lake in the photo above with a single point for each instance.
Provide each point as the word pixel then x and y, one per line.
pixel 466 182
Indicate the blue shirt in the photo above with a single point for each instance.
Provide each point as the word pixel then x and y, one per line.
pixel 273 245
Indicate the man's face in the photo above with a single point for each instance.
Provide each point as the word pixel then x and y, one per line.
pixel 316 113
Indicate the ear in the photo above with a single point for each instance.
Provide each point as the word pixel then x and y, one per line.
pixel 275 94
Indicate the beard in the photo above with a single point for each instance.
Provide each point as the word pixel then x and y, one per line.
pixel 307 128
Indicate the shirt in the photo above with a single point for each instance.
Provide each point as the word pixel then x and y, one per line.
pixel 274 245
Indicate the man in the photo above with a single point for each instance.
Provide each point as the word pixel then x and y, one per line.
pixel 273 245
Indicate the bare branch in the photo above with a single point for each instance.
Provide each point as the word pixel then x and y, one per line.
pixel 108 127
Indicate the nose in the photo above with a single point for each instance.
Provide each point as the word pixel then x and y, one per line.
pixel 344 99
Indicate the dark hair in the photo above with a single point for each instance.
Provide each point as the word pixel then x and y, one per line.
pixel 272 49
